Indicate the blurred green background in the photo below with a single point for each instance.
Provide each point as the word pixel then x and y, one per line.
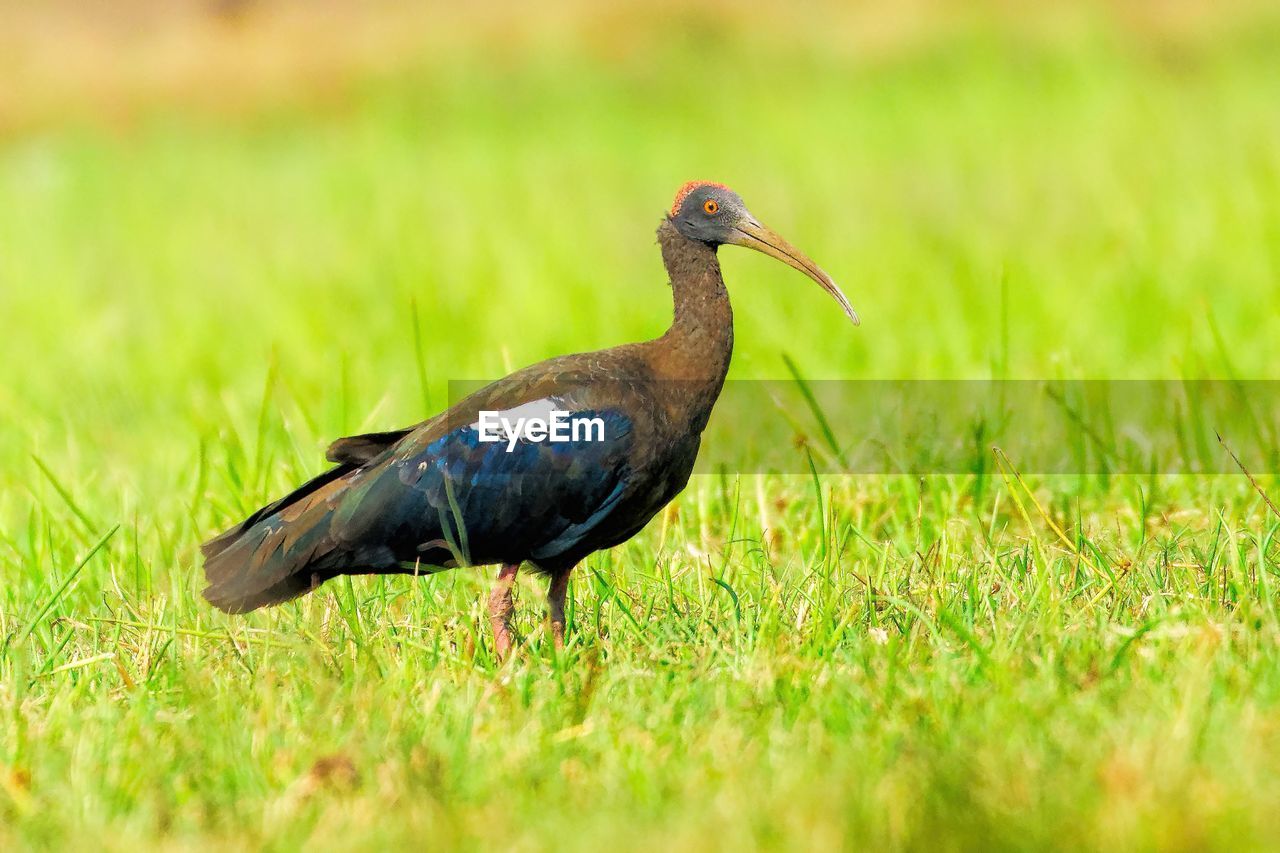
pixel 1085 190
pixel 232 231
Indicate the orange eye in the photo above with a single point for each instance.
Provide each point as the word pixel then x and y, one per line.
pixel 711 206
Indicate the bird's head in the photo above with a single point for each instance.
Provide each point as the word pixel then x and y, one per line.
pixel 714 214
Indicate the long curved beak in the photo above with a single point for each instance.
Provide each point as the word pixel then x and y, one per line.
pixel 753 235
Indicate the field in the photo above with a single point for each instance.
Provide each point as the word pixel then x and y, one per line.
pixel 201 287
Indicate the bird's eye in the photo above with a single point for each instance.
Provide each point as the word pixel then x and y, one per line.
pixel 711 206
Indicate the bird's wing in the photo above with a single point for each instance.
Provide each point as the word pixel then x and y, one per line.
pixel 538 381
pixel 438 495
pixel 452 497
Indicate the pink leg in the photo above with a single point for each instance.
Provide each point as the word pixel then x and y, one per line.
pixel 501 607
pixel 556 594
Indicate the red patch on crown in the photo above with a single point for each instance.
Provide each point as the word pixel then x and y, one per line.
pixel 690 187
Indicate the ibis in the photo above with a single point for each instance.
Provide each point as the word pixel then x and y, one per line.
pixel 556 461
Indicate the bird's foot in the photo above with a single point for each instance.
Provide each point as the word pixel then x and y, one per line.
pixel 557 593
pixel 501 607
pixel 502 641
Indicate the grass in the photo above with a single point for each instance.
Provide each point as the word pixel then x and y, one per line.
pixel 195 303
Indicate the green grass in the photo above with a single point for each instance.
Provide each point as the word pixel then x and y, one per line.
pixel 193 306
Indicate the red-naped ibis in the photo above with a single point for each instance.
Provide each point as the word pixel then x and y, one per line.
pixel 445 493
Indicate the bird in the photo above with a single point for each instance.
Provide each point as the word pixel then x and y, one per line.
pixel 544 467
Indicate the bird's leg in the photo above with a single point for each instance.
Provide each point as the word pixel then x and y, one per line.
pixel 500 608
pixel 556 593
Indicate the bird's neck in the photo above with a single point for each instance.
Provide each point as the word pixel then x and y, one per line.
pixel 699 343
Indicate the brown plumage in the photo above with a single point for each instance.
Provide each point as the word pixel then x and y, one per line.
pixel 438 495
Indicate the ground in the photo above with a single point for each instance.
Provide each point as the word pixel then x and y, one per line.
pixel 199 293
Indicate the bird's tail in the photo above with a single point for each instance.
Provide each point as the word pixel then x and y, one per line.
pixel 280 552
